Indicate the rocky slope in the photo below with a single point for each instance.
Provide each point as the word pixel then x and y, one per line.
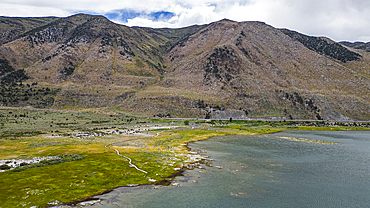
pixel 88 61
pixel 12 28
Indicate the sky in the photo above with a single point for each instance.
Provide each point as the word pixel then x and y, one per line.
pixel 340 20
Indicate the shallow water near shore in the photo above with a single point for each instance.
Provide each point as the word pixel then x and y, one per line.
pixel 265 171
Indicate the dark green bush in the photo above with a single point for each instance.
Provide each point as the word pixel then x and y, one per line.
pixel 4 167
pixel 62 158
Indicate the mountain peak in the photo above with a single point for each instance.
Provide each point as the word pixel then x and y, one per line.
pixel 226 20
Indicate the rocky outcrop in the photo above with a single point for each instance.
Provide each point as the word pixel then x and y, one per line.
pixel 226 115
pixel 333 115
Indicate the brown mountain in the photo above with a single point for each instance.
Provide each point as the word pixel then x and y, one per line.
pixel 88 61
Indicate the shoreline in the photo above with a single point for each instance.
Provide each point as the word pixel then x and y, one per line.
pixel 176 173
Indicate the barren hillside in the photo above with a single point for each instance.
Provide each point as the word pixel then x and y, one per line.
pixel 87 61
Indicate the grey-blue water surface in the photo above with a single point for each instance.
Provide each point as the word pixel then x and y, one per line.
pixel 266 171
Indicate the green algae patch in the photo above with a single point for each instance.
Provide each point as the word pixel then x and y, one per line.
pixel 309 140
pixel 267 127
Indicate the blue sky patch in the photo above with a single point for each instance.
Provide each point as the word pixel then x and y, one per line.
pixel 161 15
pixel 124 15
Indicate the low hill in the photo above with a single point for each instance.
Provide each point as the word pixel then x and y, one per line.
pixel 357 45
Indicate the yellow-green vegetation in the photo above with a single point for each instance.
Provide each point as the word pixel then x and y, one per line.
pixel 155 146
pixel 309 140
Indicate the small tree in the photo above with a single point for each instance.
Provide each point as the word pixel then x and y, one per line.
pixel 186 122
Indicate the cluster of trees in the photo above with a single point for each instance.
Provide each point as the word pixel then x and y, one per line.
pixel 67 70
pixel 9 76
pixel 222 64
pixel 208 107
pixel 5 67
pixel 24 95
pixel 322 46
pixel 14 92
pixel 51 32
pixel 162 115
pixel 297 99
pixel 126 48
pixel 201 104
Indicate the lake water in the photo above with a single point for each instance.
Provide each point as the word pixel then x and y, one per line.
pixel 265 171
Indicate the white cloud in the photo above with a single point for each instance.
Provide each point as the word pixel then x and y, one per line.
pixel 337 19
pixel 29 11
pixel 198 15
pixel 145 22
pixel 183 17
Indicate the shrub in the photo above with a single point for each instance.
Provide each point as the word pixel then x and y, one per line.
pixel 4 167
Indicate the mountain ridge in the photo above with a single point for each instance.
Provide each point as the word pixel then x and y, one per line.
pixel 192 71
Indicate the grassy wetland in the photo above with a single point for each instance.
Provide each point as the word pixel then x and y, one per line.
pixel 83 146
